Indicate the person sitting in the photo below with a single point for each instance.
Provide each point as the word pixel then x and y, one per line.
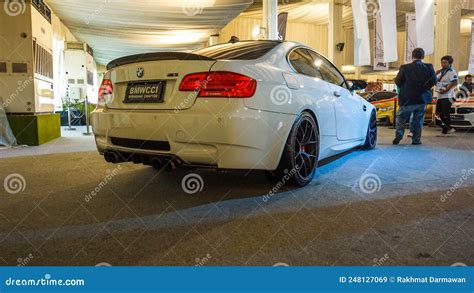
pixel 466 88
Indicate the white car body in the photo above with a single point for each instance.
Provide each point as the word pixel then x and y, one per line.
pixel 462 113
pixel 229 133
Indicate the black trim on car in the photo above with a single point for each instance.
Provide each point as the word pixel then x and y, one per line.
pixel 141 144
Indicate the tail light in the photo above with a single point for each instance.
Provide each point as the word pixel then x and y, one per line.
pixel 219 84
pixel 106 88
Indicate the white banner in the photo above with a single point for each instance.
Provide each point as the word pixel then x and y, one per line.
pixel 361 33
pixel 471 63
pixel 379 64
pixel 410 36
pixel 388 14
pixel 424 10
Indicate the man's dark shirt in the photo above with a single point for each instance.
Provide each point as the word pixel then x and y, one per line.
pixel 467 88
pixel 415 81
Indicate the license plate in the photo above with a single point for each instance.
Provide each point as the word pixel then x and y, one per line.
pixel 457 117
pixel 145 92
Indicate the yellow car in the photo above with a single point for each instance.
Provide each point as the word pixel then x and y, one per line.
pixel 385 103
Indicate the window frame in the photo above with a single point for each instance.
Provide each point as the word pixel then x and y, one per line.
pixel 346 86
pixel 296 71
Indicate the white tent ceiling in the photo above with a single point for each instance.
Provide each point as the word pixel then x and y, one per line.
pixel 115 28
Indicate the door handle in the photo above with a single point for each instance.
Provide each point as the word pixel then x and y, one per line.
pixel 336 94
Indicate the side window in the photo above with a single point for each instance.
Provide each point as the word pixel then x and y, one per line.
pixel 302 62
pixel 329 72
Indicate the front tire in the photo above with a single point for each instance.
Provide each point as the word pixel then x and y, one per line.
pixel 301 153
pixel 371 138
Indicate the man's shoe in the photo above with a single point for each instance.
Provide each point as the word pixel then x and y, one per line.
pixel 396 141
pixel 416 143
pixel 452 130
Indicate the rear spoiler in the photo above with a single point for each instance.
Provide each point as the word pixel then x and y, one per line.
pixel 156 57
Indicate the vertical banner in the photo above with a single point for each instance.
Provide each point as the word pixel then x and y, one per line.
pixel 424 10
pixel 361 33
pixel 388 15
pixel 379 64
pixel 410 36
pixel 471 63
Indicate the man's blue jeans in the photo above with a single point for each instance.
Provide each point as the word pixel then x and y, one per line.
pixel 416 122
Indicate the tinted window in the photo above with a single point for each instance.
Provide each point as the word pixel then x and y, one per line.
pixel 329 72
pixel 238 51
pixel 303 63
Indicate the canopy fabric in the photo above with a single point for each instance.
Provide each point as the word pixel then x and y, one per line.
pixel 116 28
pixel 311 11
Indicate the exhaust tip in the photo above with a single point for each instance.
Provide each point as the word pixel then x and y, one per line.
pixel 110 157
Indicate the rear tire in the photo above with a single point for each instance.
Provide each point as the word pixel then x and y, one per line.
pixel 371 138
pixel 300 156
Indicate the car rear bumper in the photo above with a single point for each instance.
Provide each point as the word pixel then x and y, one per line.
pixel 216 132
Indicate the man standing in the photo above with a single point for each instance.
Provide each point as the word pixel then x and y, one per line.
pixel 415 81
pixel 447 81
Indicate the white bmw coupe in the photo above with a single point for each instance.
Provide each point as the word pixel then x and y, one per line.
pixel 266 105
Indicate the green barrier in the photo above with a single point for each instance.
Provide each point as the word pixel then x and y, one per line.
pixel 35 129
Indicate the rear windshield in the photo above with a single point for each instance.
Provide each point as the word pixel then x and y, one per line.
pixel 246 50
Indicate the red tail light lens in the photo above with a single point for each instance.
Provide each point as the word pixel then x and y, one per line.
pixel 219 84
pixel 106 88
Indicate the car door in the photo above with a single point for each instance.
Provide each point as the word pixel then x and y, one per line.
pixel 349 109
pixel 313 90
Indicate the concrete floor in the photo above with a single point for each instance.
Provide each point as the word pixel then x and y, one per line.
pixel 385 207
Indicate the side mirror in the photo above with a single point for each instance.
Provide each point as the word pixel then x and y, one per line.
pixel 357 84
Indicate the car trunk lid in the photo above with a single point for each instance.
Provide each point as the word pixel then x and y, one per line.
pixel 151 81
